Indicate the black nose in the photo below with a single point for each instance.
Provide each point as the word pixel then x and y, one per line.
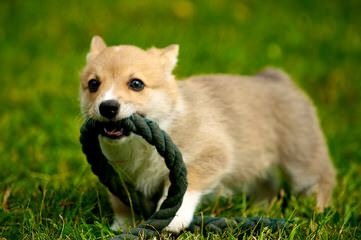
pixel 109 108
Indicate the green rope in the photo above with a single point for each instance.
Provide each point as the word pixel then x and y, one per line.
pixel 151 132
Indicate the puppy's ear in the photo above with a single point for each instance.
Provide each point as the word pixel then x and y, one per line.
pixel 168 56
pixel 96 46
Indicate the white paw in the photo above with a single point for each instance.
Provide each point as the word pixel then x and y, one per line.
pixel 119 224
pixel 185 213
pixel 179 223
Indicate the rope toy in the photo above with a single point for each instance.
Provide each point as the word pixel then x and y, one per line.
pixel 142 206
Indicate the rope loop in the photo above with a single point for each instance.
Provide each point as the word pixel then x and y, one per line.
pixel 151 132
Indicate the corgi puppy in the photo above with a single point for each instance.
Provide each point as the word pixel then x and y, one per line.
pixel 230 129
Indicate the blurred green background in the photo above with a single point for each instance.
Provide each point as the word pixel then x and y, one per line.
pixel 47 190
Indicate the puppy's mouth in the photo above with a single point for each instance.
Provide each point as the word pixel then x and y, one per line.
pixel 114 133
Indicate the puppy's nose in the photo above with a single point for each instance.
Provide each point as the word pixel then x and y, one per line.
pixel 109 108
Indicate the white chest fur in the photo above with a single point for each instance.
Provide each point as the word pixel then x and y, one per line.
pixel 137 159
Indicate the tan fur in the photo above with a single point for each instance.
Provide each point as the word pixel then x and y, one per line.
pixel 230 129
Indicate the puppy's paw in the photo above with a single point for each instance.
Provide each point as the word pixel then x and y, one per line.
pixel 179 223
pixel 119 224
pixel 185 213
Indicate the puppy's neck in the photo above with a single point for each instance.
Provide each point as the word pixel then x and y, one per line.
pixel 176 112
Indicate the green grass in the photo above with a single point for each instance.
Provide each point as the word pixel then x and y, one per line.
pixel 47 190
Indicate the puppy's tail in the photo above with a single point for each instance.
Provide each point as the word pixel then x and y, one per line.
pixel 274 73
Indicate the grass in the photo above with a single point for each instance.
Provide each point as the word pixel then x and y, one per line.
pixel 47 190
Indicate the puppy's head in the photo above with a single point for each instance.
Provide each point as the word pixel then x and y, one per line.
pixel 121 80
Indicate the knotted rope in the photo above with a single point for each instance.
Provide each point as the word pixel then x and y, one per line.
pixel 125 191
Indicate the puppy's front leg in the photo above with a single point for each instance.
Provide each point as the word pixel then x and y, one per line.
pixel 122 214
pixel 185 213
pixel 203 174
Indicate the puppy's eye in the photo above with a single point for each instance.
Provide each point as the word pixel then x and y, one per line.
pixel 93 85
pixel 136 84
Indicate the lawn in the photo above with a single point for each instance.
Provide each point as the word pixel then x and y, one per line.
pixel 47 190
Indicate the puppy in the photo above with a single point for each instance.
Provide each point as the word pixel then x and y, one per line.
pixel 230 129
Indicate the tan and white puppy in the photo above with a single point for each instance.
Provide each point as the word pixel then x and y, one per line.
pixel 231 129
